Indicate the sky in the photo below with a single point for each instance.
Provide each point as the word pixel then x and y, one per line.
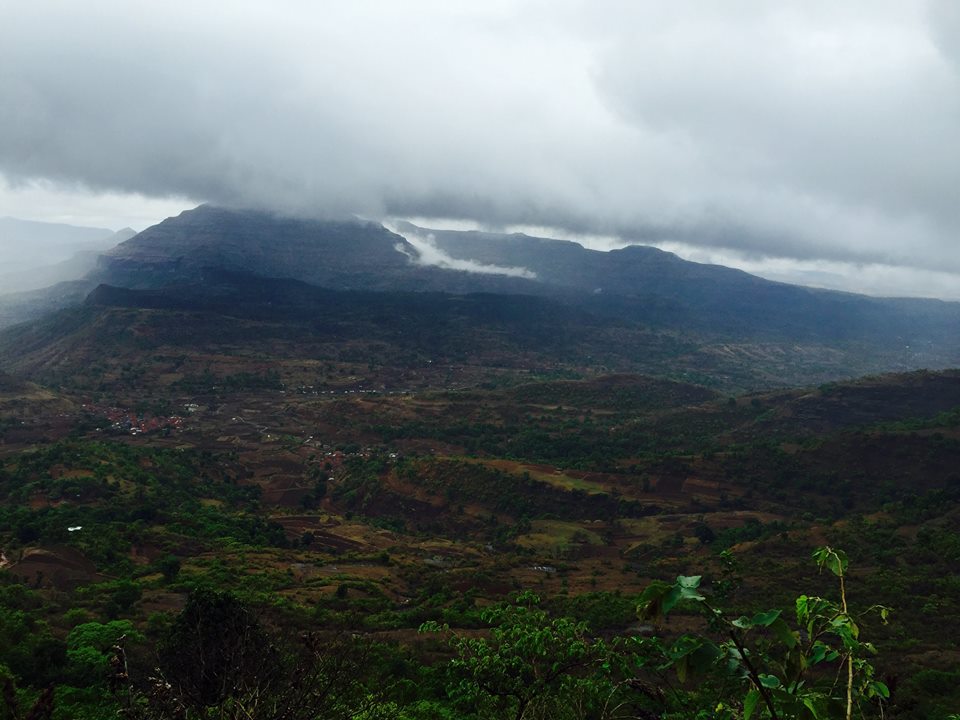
pixel 806 140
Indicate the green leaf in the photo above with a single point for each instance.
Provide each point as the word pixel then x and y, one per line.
pixel 877 688
pixel 687 585
pixel 691 655
pixel 651 603
pixel 765 619
pixel 750 703
pixel 810 609
pixel 816 709
pixel 685 645
pixel 834 560
pixel 818 653
pixel 703 658
pixel 795 662
pixel 770 681
pixel 784 634
pixel 433 626
pixel 758 620
pixel 671 599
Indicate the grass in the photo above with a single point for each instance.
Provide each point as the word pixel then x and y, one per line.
pixel 551 476
pixel 551 534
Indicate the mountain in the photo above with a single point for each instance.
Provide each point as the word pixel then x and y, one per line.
pixel 43 265
pixel 636 283
pixel 10 384
pixel 74 267
pixel 712 297
pixel 638 309
pixel 342 255
pixel 26 245
pixel 49 235
pixel 243 315
pixel 30 305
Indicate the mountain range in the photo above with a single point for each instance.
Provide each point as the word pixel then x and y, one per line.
pixel 246 264
pixel 637 282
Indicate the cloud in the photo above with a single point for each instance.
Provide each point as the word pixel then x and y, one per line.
pixel 75 205
pixel 804 129
pixel 429 254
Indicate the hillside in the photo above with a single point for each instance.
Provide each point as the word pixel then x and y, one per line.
pixel 329 505
pixel 20 400
pixel 394 338
pixel 78 265
pixel 710 296
pixel 30 305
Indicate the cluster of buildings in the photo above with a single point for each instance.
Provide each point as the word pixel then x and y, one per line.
pixel 311 390
pixel 127 421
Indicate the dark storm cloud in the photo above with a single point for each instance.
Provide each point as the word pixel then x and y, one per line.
pixel 807 129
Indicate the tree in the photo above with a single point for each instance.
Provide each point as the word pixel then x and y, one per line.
pixel 90 648
pixel 218 660
pixel 13 706
pixel 215 648
pixel 169 566
pixel 530 665
pixel 778 671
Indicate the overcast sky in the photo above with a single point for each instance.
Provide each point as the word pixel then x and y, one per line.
pixel 815 139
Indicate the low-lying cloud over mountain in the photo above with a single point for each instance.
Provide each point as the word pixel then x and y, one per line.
pixel 427 253
pixel 816 131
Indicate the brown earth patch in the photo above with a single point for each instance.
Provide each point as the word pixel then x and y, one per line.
pixel 59 567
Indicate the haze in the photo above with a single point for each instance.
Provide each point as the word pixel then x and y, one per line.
pixel 810 141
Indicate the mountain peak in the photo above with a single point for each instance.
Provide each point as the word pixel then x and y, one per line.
pixel 348 253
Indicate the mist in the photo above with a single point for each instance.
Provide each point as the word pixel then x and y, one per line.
pixel 430 255
pixel 35 255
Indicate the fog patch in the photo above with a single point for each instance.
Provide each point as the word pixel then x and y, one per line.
pixel 428 254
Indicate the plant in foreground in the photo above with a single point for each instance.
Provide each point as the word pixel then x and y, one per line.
pixel 815 669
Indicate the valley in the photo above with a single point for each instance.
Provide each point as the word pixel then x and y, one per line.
pixel 379 510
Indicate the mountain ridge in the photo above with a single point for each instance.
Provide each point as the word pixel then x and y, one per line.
pixel 252 264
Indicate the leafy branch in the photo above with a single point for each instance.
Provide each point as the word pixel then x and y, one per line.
pixel 780 668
